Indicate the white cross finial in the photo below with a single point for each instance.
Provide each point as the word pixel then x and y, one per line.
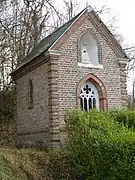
pixel 89 8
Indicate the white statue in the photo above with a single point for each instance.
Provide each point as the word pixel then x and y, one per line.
pixel 84 53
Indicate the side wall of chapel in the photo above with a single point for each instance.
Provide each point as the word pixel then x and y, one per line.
pixel 33 123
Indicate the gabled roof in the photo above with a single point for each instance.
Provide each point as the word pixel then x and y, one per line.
pixel 48 41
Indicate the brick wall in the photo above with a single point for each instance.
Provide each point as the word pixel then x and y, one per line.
pixel 33 123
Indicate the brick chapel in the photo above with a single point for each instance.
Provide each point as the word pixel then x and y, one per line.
pixel 80 65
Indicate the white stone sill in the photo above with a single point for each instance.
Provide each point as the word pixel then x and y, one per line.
pixel 90 65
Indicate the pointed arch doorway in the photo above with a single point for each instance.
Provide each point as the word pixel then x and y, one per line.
pixel 91 93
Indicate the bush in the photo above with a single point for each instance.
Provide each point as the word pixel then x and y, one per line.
pixel 100 147
pixel 124 116
pixel 6 106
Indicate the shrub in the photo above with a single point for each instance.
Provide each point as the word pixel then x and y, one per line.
pixel 124 116
pixel 6 106
pixel 100 147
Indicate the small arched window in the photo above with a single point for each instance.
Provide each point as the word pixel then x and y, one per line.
pixel 89 49
pixel 30 94
pixel 89 97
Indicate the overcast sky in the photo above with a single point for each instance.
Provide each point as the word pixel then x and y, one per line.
pixel 125 9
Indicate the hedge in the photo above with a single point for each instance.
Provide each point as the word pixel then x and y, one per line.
pixel 101 148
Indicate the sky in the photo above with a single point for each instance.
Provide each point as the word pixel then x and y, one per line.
pixel 125 11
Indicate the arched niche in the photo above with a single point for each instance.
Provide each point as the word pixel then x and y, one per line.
pixel 89 48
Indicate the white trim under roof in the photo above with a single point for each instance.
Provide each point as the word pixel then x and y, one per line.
pixel 55 52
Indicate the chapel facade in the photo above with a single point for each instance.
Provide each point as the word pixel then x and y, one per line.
pixel 80 65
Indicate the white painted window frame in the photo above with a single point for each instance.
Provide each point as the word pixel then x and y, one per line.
pixel 84 95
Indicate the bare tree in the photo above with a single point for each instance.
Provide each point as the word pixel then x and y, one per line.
pixel 22 27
